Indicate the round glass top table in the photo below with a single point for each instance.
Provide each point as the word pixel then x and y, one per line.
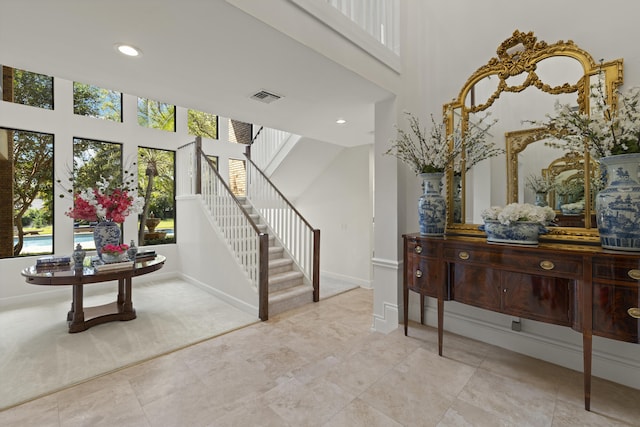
pixel 81 318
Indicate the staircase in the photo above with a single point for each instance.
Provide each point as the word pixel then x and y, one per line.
pixel 288 287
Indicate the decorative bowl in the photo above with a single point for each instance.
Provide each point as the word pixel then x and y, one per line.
pixel 109 258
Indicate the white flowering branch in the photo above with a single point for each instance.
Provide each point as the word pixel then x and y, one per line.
pixel 435 151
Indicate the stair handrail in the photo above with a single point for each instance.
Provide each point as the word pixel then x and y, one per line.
pixel 266 144
pixel 248 243
pixel 306 256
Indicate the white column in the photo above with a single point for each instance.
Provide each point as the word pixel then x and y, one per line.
pixel 387 273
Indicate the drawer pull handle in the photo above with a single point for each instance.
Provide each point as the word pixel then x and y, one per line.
pixel 634 312
pixel 634 274
pixel 463 255
pixel 418 273
pixel 418 249
pixel 547 265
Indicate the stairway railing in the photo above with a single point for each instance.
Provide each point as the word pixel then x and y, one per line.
pixel 268 142
pixel 251 247
pixel 297 236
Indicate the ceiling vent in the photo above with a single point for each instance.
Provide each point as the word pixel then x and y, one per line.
pixel 266 97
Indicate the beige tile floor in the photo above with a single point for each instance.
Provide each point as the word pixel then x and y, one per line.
pixel 322 366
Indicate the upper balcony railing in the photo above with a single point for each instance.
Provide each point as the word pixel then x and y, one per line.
pixel 373 25
pixel 377 17
pixel 268 142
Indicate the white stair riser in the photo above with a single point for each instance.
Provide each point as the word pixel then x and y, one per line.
pixel 288 284
pixel 289 304
pixel 280 268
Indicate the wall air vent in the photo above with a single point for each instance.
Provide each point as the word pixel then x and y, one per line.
pixel 266 97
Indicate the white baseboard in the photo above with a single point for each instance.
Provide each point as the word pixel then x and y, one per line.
pixel 561 346
pixel 388 322
pixel 235 302
pixel 362 283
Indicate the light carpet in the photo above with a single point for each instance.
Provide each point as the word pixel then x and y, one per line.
pixel 38 355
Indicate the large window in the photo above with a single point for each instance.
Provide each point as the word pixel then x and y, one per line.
pixel 27 88
pixel 156 183
pixel 202 124
pixel 26 193
pixel 96 102
pixel 92 161
pixel 157 115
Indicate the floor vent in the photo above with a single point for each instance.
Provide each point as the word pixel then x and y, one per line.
pixel 266 97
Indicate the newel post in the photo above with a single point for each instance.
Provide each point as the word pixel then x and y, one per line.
pixel 316 265
pixel 198 170
pixel 263 278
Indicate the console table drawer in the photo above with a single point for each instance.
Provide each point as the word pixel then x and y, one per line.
pixel 422 248
pixel 423 276
pixel 614 308
pixel 518 259
pixel 627 270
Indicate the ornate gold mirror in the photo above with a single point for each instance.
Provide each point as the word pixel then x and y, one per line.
pixel 519 87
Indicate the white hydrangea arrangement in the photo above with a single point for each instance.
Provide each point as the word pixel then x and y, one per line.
pixel 515 212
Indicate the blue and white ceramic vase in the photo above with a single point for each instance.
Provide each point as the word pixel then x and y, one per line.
pixel 518 233
pixel 78 256
pixel 432 209
pixel 104 233
pixel 541 198
pixel 132 251
pixel 618 205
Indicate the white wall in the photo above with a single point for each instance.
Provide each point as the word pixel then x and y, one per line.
pixel 338 202
pixel 206 260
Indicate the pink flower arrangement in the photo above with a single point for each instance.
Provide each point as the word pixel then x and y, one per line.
pixel 104 204
pixel 115 249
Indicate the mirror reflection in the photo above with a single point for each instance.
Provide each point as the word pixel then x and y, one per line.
pixel 518 88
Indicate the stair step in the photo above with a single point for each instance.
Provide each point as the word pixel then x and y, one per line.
pixel 285 280
pixel 287 288
pixel 289 299
pixel 275 252
pixel 280 265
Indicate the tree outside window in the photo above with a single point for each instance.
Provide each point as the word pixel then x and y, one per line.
pixel 93 101
pixel 27 88
pixel 93 160
pixel 27 187
pixel 157 115
pixel 202 124
pixel 156 183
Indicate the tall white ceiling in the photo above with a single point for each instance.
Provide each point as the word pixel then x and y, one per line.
pixel 201 54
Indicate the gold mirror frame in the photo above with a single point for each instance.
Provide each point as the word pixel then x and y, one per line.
pixel 517 55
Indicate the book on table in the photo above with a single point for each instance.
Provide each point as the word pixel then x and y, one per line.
pixel 145 255
pixel 53 260
pixel 50 268
pixel 114 266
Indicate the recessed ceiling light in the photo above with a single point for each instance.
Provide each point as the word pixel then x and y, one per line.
pixel 127 49
pixel 341 121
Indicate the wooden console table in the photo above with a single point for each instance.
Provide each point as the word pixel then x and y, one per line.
pixel 81 318
pixel 586 288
